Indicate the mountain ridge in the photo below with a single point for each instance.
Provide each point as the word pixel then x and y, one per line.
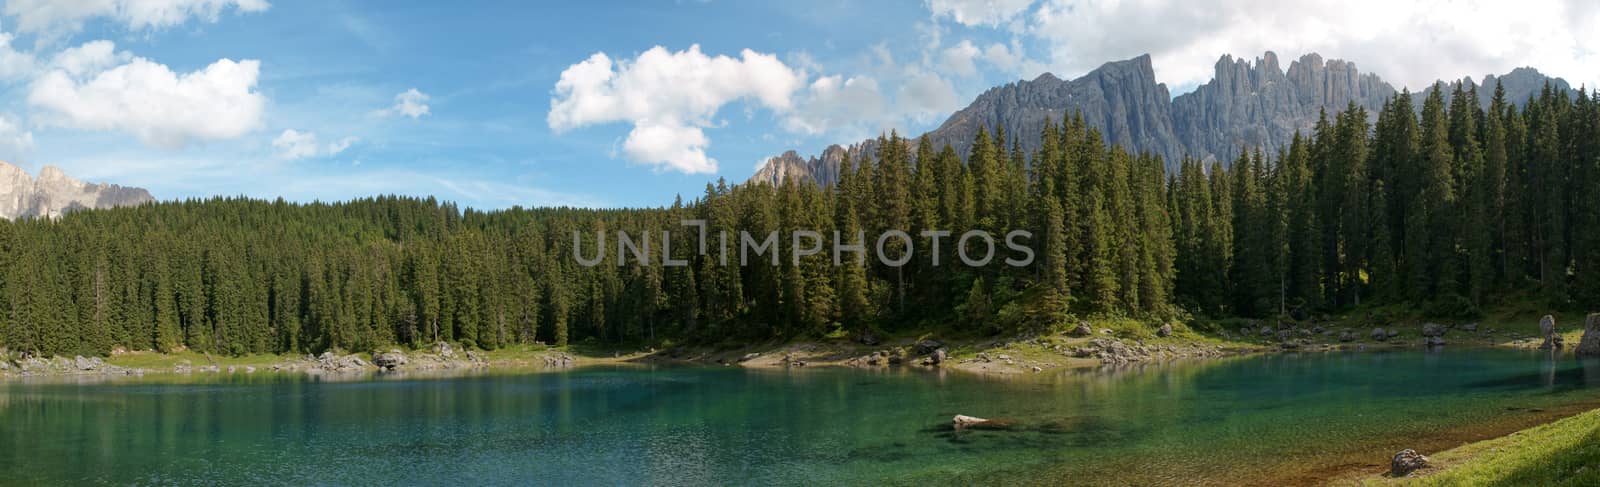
pixel 1247 103
pixel 54 193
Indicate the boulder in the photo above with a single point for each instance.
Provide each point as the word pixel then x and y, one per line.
pixel 938 356
pixel 1433 330
pixel 869 338
pixel 1405 462
pixel 90 363
pixel 1433 341
pixel 1082 330
pixel 1589 346
pixel 443 350
pixel 1164 331
pixel 1547 326
pixel 925 347
pixel 389 360
pixel 1393 333
pixel 1379 334
pixel 1346 336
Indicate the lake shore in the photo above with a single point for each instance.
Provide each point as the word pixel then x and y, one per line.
pixel 1561 452
pixel 1091 345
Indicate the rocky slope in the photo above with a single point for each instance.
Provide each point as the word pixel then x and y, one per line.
pixel 1247 103
pixel 54 193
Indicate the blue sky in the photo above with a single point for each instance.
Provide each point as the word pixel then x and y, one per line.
pixel 601 103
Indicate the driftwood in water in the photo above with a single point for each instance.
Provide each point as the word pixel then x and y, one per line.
pixel 962 421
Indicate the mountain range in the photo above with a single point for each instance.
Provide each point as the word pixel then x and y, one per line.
pixel 54 193
pixel 1246 104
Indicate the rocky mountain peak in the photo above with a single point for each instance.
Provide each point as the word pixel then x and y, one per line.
pixel 1248 103
pixel 54 193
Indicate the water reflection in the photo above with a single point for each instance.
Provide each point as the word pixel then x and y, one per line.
pixel 1199 422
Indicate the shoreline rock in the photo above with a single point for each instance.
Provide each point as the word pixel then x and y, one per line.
pixel 1589 345
pixel 1405 462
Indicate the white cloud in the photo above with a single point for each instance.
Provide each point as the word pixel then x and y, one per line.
pixel 410 103
pixel 91 57
pixel 52 18
pixel 834 103
pixel 958 59
pixel 979 12
pixel 1002 57
pixel 14 64
pixel 669 97
pixel 294 144
pixel 13 137
pixel 1408 43
pixel 924 97
pixel 147 99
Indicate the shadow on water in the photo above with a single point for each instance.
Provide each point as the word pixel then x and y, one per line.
pixel 1559 374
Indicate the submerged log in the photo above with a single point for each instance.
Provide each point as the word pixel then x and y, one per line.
pixel 962 421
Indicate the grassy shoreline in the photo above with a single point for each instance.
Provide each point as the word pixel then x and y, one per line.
pixel 1558 453
pixel 1135 342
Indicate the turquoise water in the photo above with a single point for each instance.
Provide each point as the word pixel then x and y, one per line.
pixel 1272 419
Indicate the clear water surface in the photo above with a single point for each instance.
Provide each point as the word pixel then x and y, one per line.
pixel 1279 419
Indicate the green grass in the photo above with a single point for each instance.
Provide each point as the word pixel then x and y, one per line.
pixel 1566 452
pixel 166 361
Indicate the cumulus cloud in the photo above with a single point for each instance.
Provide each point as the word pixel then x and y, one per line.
pixel 54 17
pixel 1408 43
pixel 14 64
pixel 834 102
pixel 409 103
pixel 1002 57
pixel 84 90
pixel 669 98
pixel 91 57
pixel 979 12
pixel 924 97
pixel 13 137
pixel 294 144
pixel 958 59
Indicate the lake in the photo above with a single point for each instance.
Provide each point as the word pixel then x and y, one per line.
pixel 1274 419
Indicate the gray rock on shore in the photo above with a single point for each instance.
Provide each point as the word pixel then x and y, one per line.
pixel 1405 462
pixel 1547 329
pixel 1589 346
pixel 389 360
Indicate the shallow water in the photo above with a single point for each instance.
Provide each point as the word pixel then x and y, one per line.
pixel 1293 418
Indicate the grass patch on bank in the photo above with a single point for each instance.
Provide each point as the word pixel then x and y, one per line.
pixel 156 361
pixel 1566 452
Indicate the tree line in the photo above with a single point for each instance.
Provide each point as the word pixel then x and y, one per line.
pixel 1447 209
